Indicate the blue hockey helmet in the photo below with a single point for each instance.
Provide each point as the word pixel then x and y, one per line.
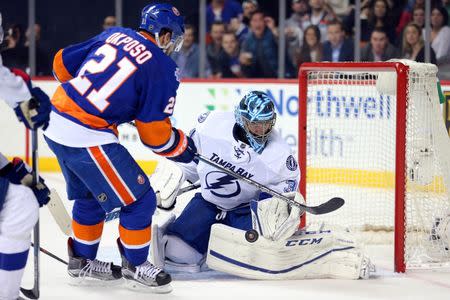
pixel 256 114
pixel 155 17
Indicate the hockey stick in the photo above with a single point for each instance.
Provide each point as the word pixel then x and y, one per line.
pixel 324 208
pixel 51 255
pixel 34 292
pixel 115 213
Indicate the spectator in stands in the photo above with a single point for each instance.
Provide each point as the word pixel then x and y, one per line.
pixel 379 48
pixel 440 33
pixel 378 16
pixel 311 50
pixel 43 65
pixel 240 25
pixel 446 4
pixel 248 8
pixel 340 7
pixel 295 25
pixel 214 51
pixel 222 11
pixel 230 45
pixel 418 16
pixel 337 47
pixel 109 21
pixel 15 54
pixel 413 44
pixel 188 58
pixel 259 54
pixel 321 15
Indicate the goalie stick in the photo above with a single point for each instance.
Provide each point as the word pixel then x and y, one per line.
pixel 324 208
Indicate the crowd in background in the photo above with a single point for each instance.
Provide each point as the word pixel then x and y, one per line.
pixel 242 38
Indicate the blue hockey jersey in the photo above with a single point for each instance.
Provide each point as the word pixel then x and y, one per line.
pixel 116 77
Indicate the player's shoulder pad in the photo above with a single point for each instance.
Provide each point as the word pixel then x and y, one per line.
pixel 208 120
pixel 280 150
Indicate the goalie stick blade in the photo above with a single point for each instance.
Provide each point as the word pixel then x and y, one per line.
pixel 326 207
pixel 29 293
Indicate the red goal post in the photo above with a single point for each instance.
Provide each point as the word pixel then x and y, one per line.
pixel 336 85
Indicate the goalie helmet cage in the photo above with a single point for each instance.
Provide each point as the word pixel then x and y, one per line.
pixel 373 134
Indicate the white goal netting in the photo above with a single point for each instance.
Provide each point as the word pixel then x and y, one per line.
pixel 354 150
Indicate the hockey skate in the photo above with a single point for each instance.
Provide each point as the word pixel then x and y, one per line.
pixel 84 271
pixel 367 268
pixel 145 277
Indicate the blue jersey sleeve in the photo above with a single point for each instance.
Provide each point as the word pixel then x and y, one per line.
pixel 156 106
pixel 67 61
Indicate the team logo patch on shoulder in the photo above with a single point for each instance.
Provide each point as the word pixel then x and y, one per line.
pixel 291 163
pixel 203 117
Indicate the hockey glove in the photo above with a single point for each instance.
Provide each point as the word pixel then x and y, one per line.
pixel 274 218
pixel 35 113
pixel 18 172
pixel 188 155
pixel 166 181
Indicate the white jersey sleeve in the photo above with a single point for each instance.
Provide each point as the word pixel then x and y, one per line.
pixel 13 88
pixel 190 169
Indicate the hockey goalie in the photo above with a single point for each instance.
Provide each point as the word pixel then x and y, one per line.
pixel 232 226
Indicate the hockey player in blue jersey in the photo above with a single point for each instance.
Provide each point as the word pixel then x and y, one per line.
pixel 119 76
pixel 19 199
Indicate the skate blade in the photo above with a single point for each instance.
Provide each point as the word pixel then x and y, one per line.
pixel 139 287
pixel 88 281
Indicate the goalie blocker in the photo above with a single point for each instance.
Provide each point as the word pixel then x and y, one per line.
pixel 306 255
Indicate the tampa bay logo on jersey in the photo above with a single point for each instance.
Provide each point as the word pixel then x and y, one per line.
pixel 222 185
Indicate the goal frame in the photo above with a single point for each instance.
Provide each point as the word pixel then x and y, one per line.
pixel 402 71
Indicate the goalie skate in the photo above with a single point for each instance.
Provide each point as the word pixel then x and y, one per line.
pixel 84 271
pixel 145 277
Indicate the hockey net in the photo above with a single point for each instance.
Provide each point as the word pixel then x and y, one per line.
pixel 373 134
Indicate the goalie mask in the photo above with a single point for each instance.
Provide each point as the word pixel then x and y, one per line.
pixel 255 113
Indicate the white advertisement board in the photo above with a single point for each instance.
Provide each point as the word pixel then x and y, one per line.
pixel 195 97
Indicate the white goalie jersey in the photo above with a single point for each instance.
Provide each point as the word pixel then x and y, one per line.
pixel 275 167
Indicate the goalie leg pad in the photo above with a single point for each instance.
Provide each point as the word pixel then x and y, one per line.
pixel 194 224
pixel 158 243
pixel 305 256
pixel 182 257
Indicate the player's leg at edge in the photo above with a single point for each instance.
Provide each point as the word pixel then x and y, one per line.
pixel 17 218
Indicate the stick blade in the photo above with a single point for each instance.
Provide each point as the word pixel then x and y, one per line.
pixel 59 213
pixel 326 207
pixel 29 293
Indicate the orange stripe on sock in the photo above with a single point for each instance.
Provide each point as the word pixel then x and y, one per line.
pixel 135 237
pixel 87 232
pixel 113 178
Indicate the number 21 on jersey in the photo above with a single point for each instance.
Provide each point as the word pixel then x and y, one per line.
pixel 99 98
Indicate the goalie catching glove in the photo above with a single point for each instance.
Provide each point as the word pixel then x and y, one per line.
pixel 274 218
pixel 166 181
